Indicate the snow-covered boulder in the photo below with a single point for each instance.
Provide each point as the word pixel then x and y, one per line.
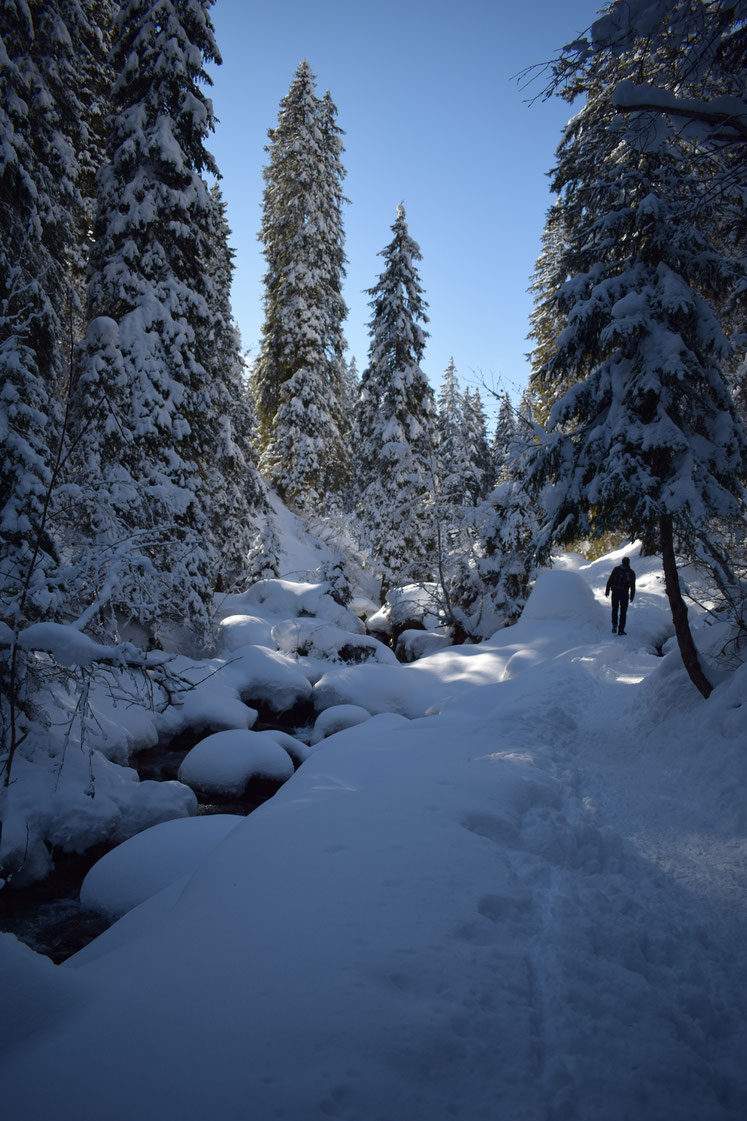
pixel 149 803
pixel 412 645
pixel 225 762
pixel 266 676
pixel 562 595
pixel 243 630
pixel 336 719
pixel 213 701
pixel 297 749
pixel 151 860
pixel 313 639
pixel 287 599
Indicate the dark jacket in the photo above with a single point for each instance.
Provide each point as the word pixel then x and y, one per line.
pixel 622 579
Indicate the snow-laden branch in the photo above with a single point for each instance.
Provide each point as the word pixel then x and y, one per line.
pixel 729 112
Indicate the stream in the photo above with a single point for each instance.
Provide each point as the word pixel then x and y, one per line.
pixel 48 916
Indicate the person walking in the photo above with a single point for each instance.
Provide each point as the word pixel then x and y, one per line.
pixel 622 585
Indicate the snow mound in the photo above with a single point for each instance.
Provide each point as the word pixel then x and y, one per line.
pixel 266 676
pixel 213 701
pixel 562 595
pixel 226 761
pixel 149 803
pixel 243 630
pixel 286 599
pixel 336 719
pixel 297 749
pixel 150 861
pixel 378 689
pixel 312 639
pixel 412 645
pixel 39 993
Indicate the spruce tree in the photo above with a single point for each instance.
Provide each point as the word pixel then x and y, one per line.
pixel 505 433
pixel 148 412
pixel 40 134
pixel 506 528
pixel 300 371
pixel 480 477
pixel 453 452
pixel 646 439
pixel 396 419
pixel 235 484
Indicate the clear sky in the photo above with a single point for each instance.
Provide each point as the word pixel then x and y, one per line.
pixel 426 92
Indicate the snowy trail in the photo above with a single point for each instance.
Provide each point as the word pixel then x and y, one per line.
pixel 491 912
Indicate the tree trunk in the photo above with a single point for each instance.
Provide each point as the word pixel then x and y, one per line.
pixel 679 610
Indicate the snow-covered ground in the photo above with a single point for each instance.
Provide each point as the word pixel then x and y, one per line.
pixel 513 892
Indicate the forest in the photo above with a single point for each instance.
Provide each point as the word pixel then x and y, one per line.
pixel 158 485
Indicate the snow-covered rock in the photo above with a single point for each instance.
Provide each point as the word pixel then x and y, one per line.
pixel 296 748
pixel 314 639
pixel 266 676
pixel 286 599
pixel 150 861
pixel 414 644
pixel 150 803
pixel 225 762
pixel 243 630
pixel 335 719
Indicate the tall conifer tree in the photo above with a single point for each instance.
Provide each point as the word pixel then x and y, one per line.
pixel 478 449
pixel 505 433
pixel 236 486
pixel 453 456
pixel 40 135
pixel 646 439
pixel 148 410
pixel 396 417
pixel 300 371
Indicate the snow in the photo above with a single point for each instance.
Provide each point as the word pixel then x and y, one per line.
pixel 287 599
pixel 225 762
pixel 516 891
pixel 336 719
pixel 144 865
pixel 415 644
pixel 68 646
pixel 561 595
pixel 330 643
pixel 266 675
pixel 244 630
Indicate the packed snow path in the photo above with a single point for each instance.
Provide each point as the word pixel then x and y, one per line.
pixel 527 905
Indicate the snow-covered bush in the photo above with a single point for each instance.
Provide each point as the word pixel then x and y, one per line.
pixel 490 585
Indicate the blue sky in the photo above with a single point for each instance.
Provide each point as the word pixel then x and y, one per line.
pixel 434 117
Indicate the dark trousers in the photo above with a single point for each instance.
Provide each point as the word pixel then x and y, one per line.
pixel 619 604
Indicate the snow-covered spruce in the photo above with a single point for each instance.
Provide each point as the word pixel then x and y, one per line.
pixel 300 377
pixel 396 421
pixel 152 419
pixel 643 434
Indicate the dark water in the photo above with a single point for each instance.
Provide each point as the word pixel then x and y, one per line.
pixel 48 916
